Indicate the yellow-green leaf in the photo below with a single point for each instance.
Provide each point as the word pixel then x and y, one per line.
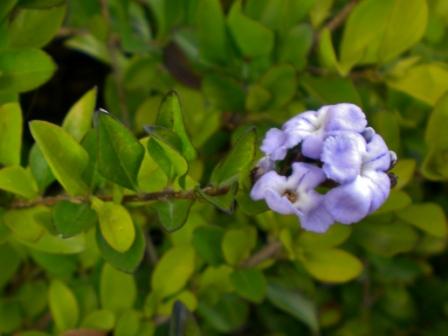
pixel 66 158
pixel 10 133
pixel 173 270
pixel 332 265
pixel 79 119
pixel 116 224
pixel 63 306
pixel 117 289
pixel 428 217
pixel 426 82
pixel 24 69
pixel 18 180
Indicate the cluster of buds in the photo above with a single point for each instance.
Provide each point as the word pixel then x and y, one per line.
pixel 324 166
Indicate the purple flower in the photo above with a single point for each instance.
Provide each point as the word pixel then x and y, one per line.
pixel 275 144
pixel 295 195
pixel 311 128
pixel 360 168
pixel 342 155
pixel 342 151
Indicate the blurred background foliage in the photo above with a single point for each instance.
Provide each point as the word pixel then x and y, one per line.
pixel 209 266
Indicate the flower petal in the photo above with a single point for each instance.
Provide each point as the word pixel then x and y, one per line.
pixel 312 145
pixel 342 156
pixel 344 117
pixel 349 203
pixel 274 144
pixel 307 176
pixel 301 126
pixel 317 219
pixel 269 181
pixel 279 204
pixel 379 185
pixel 265 164
pixel 378 156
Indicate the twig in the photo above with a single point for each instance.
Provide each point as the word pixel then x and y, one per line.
pixel 133 198
pixel 267 252
pixel 340 17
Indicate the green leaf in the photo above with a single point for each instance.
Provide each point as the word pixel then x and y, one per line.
pixel 295 46
pixel 60 266
pixel 257 98
pixel 223 92
pixel 117 289
pixel 252 38
pixel 34 28
pixel 173 213
pixel 226 202
pixel 279 15
pixel 33 297
pixel 404 170
pixel 326 51
pixel 102 319
pixel 397 200
pixel 24 70
pixel 332 265
pixel 250 284
pixel 128 324
pixel 426 82
pixel 237 244
pixel 435 133
pixel 10 316
pixel 119 152
pixel 168 158
pixel 10 133
pixel 5 7
pixel 405 26
pixel 428 217
pixel 9 263
pixel 116 224
pixel 52 244
pixel 211 30
pixel 207 243
pixel 434 165
pixel 281 82
pixel 72 218
pixel 40 168
pixel 336 235
pixel 90 45
pixel 295 304
pixel 398 26
pixel 66 158
pixel 18 180
pixel 320 10
pixel 237 161
pixel 128 261
pixel 385 238
pixel 26 224
pixel 63 306
pixel 170 116
pixel 331 90
pixel 173 271
pixel 79 119
pixel 41 3
pixel 226 315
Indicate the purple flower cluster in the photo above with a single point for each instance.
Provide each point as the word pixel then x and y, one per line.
pixel 324 166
